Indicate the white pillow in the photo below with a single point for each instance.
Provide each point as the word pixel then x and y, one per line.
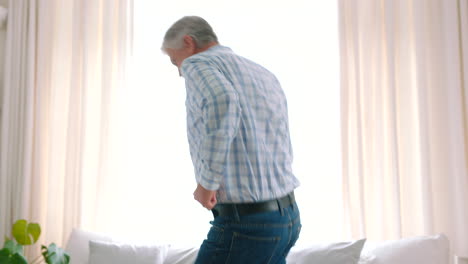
pixel 333 253
pixel 420 249
pixel 181 254
pixel 112 253
pixel 366 259
pixel 78 245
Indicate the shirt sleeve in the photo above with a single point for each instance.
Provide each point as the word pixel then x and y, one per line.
pixel 218 105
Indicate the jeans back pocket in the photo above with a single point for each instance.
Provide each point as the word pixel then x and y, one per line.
pixel 245 248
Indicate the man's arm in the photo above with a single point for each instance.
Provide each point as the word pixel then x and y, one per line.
pixel 220 108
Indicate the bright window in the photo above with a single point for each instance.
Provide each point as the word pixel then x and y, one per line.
pixel 298 41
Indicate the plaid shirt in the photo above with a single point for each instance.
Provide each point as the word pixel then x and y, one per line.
pixel 237 127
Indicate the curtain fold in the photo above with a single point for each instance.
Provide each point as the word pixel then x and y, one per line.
pixel 17 111
pixel 404 118
pixel 65 74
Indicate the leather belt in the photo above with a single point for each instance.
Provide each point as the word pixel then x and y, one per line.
pixel 252 208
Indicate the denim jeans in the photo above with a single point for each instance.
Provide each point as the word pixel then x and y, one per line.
pixel 262 238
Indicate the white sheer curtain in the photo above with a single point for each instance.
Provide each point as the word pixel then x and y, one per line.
pixel 64 72
pixel 404 118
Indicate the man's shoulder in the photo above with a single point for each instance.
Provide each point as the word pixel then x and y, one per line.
pixel 213 56
pixel 223 57
pixel 211 53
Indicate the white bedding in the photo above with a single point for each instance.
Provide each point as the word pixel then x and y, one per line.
pixel 413 250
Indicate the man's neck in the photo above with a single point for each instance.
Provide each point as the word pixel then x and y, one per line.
pixel 206 47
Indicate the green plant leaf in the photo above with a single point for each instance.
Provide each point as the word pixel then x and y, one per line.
pixel 13 247
pixel 55 255
pixel 18 259
pixel 7 258
pixel 26 233
pixel 4 253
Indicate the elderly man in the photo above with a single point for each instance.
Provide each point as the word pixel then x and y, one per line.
pixel 238 132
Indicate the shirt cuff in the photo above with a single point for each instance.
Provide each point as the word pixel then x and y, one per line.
pixel 210 179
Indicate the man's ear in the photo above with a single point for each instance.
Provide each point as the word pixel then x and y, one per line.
pixel 189 43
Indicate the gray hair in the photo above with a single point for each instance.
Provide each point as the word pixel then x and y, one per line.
pixel 193 26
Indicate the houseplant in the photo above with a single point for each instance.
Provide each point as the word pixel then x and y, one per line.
pixel 25 234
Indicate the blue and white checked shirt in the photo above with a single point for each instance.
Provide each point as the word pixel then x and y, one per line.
pixel 237 126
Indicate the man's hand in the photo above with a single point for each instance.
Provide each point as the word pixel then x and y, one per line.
pixel 206 197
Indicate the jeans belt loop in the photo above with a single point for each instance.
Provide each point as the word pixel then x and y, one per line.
pixel 280 206
pixel 291 200
pixel 236 213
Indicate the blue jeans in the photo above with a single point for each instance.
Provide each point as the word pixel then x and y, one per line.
pixel 262 238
